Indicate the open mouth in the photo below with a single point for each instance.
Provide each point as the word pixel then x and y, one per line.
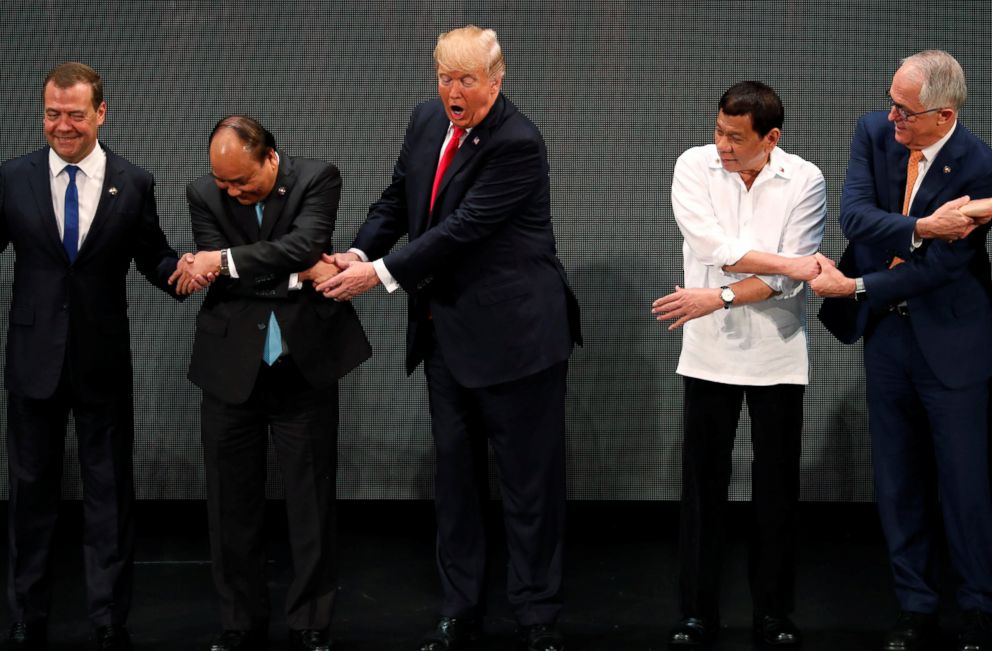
pixel 457 111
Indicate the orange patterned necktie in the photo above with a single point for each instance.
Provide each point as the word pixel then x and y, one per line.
pixel 912 173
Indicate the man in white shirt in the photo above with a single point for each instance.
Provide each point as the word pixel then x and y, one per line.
pixel 77 215
pixel 752 217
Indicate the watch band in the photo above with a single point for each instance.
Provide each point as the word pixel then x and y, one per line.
pixel 225 266
pixel 860 294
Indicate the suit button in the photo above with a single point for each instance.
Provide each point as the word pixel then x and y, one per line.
pixel 261 326
pixel 65 306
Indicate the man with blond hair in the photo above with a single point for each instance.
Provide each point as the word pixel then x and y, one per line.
pixel 493 319
pixel 915 283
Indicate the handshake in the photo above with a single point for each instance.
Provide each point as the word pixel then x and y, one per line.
pixel 340 276
pixel 953 221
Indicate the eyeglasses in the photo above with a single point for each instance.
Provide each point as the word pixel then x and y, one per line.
pixel 905 115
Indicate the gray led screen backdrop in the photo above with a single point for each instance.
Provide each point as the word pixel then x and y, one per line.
pixel 619 90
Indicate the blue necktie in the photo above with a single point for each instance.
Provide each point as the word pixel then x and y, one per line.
pixel 70 237
pixel 273 340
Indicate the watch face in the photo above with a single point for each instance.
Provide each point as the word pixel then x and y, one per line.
pixel 727 295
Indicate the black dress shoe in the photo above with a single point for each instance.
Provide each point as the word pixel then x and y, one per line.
pixel 238 640
pixel 309 639
pixel 541 637
pixel 911 632
pixel 977 632
pixel 112 638
pixel 694 632
pixel 452 633
pixel 776 631
pixel 26 637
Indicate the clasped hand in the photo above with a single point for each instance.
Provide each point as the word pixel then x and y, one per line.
pixel 352 278
pixel 195 271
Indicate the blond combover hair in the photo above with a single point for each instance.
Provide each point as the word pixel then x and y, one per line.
pixel 470 48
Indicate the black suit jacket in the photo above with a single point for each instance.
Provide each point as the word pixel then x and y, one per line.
pixel 946 284
pixel 484 265
pixel 324 337
pixel 81 307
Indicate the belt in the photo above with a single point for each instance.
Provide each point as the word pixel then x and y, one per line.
pixel 901 310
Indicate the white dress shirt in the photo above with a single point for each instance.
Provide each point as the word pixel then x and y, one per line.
pixel 929 153
pixel 89 184
pixel 385 277
pixel 721 220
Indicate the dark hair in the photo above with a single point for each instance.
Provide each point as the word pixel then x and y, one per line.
pixel 757 100
pixel 69 74
pixel 256 138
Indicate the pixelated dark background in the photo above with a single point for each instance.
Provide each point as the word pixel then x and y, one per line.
pixel 619 89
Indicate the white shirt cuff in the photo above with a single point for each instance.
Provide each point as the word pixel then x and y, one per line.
pixel 294 282
pixel 385 277
pixel 359 253
pixel 231 268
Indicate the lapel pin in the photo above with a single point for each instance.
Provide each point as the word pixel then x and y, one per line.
pixel 282 190
pixel 947 169
pixel 112 191
pixel 475 141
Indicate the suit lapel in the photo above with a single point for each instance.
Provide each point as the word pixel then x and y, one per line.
pixel 276 201
pixel 113 185
pixel 940 173
pixel 41 190
pixel 898 157
pixel 244 219
pixel 426 169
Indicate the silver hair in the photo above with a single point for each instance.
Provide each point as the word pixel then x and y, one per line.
pixel 941 78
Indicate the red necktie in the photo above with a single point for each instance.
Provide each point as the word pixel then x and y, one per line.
pixel 449 153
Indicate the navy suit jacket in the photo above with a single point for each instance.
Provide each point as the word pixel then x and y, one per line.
pixel 484 265
pixel 945 284
pixel 324 337
pixel 79 307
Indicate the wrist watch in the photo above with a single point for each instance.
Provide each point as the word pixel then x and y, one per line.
pixel 727 296
pixel 860 294
pixel 225 266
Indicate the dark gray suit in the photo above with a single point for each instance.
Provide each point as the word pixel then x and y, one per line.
pixel 297 396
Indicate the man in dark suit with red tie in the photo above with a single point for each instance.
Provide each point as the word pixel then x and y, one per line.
pixel 493 319
pixel 77 215
pixel 268 353
pixel 915 283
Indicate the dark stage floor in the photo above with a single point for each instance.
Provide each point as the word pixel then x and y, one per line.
pixel 620 579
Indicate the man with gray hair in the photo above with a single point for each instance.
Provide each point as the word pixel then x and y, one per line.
pixel 493 319
pixel 915 283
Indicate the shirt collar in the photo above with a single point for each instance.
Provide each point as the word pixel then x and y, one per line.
pixel 930 153
pixel 451 128
pixel 778 164
pixel 90 165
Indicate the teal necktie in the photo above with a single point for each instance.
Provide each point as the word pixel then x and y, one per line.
pixel 273 340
